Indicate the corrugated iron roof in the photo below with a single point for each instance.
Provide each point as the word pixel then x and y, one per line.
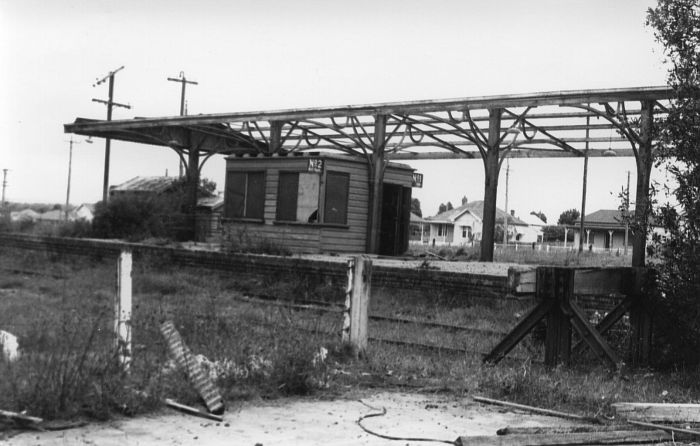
pixel 144 184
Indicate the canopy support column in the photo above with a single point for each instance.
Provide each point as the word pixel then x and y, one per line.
pixel 644 164
pixel 491 169
pixel 192 190
pixel 376 180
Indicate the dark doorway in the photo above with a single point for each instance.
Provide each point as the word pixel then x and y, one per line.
pixel 394 229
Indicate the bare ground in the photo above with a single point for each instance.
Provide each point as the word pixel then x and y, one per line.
pixel 297 421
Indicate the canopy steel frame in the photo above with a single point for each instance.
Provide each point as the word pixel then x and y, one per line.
pixel 550 124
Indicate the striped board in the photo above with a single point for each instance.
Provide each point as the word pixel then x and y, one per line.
pixel 186 361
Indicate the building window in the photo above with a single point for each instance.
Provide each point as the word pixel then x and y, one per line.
pixel 466 232
pixel 245 195
pixel 299 194
pixel 336 204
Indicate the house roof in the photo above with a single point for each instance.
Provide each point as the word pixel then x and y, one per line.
pixel 415 218
pixel 604 216
pixel 533 220
pixel 144 184
pixel 477 209
pixel 24 215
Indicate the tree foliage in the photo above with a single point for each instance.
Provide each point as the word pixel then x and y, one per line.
pixel 676 26
pixel 568 217
pixel 415 207
pixel 136 217
pixel 540 215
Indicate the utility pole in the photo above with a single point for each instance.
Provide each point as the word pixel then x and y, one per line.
pixel 110 103
pixel 183 111
pixel 4 186
pixel 70 165
pixel 583 194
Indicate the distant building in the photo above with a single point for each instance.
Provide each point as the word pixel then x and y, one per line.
pixel 533 232
pixel 603 230
pixel 463 225
pixel 143 186
pixel 85 212
pixel 420 229
pixel 24 215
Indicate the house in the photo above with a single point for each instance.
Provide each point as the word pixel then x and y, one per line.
pixel 603 230
pixel 533 232
pixel 420 229
pixel 462 225
pixel 85 212
pixel 313 203
pixel 143 186
pixel 55 216
pixel 24 215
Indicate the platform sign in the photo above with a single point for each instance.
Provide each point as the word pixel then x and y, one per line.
pixel 315 165
pixel 417 180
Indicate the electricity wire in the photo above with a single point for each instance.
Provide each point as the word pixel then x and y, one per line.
pixel 389 437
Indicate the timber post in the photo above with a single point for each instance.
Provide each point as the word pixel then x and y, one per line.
pixel 640 316
pixel 491 169
pixel 644 161
pixel 355 318
pixel 557 286
pixel 376 180
pixel 122 310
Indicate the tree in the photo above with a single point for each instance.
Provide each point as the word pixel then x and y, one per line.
pixel 442 208
pixel 139 216
pixel 449 206
pixel 676 26
pixel 540 215
pixel 568 217
pixel 415 207
pixel 464 200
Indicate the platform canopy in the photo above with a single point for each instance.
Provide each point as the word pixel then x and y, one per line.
pixel 581 123
pixel 550 124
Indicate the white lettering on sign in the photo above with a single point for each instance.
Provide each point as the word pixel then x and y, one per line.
pixel 315 165
pixel 417 180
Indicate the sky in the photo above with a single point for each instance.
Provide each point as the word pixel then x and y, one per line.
pixel 274 54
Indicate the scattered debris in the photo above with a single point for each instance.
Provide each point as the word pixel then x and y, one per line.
pixel 581 438
pixel 673 429
pixel 19 417
pixel 542 430
pixel 192 410
pixel 10 346
pixel 553 413
pixel 670 413
pixel 187 362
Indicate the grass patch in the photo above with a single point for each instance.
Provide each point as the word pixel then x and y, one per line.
pixel 67 368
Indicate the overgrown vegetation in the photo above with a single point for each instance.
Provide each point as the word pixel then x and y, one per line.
pixel 62 315
pixel 677 27
pixel 526 255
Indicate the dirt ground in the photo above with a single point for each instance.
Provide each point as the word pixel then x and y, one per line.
pixel 297 421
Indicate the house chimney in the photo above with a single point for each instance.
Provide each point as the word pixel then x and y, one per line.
pixel 512 212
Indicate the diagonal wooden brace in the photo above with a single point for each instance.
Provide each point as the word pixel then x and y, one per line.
pixel 524 327
pixel 589 333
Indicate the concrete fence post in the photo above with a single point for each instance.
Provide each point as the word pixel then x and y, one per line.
pixel 122 310
pixel 357 296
